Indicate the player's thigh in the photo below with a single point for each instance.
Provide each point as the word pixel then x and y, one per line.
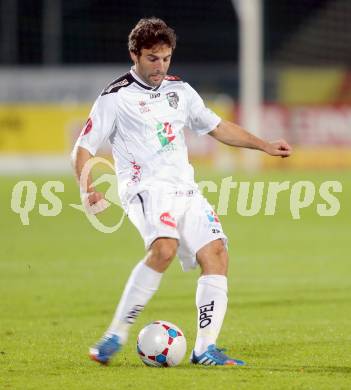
pixel 147 212
pixel 198 229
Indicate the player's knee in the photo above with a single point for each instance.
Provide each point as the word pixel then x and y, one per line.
pixel 162 252
pixel 165 253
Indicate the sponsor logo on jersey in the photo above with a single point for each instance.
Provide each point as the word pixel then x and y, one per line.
pixel 88 126
pixel 136 173
pixel 165 133
pixel 173 99
pixel 212 216
pixel 154 95
pixel 184 193
pixel 143 107
pixel 118 84
pixel 168 220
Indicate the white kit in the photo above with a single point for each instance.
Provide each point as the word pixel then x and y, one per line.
pixel 145 126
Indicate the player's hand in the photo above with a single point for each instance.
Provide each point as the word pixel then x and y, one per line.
pixel 94 202
pixel 279 148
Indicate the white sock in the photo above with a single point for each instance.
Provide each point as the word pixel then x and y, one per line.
pixel 141 286
pixel 211 302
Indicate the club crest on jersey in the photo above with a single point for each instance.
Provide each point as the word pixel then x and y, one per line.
pixel 173 99
pixel 168 220
pixel 165 133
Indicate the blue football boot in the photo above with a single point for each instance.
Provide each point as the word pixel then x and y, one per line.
pixel 214 357
pixel 105 349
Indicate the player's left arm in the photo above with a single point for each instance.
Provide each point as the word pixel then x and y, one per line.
pixel 231 134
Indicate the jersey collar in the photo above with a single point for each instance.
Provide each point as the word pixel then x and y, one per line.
pixel 142 83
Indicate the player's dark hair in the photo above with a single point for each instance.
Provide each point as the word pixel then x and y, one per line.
pixel 149 32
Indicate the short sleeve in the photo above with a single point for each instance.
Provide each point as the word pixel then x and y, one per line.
pixel 201 119
pixel 100 124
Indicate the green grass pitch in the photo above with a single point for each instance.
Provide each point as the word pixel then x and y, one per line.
pixel 289 311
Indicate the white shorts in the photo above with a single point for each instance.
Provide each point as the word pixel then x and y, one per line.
pixel 184 215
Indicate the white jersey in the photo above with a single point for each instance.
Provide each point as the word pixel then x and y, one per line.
pixel 145 127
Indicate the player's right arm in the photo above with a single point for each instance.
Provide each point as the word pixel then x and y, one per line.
pixel 98 128
pixel 93 201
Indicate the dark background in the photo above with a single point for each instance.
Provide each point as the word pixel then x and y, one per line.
pixel 95 31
